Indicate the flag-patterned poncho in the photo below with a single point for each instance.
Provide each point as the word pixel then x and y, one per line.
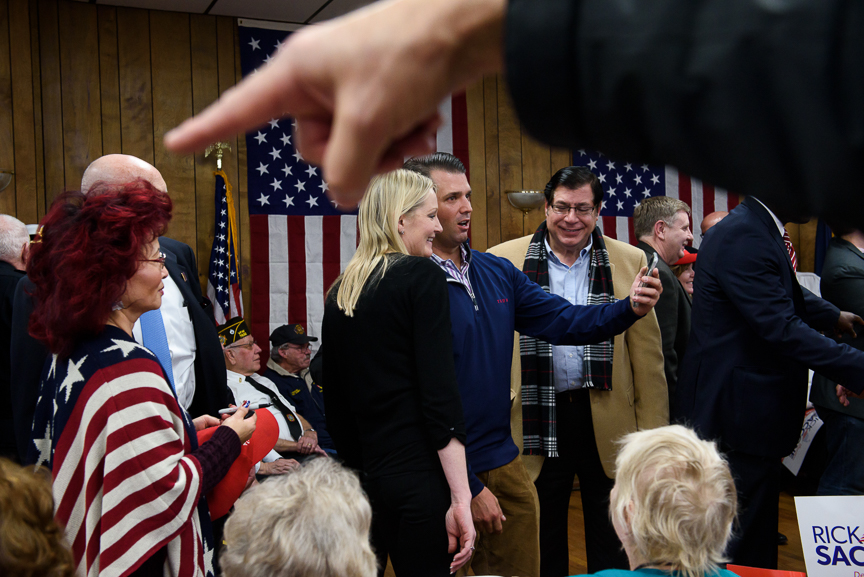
pixel 108 426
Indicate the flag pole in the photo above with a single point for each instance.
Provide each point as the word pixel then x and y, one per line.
pixel 229 247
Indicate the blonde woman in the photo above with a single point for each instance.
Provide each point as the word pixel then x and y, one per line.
pixel 393 407
pixel 672 505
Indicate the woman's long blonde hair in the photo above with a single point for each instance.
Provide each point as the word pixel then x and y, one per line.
pixel 389 197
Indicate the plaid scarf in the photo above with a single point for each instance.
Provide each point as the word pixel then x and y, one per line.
pixel 538 388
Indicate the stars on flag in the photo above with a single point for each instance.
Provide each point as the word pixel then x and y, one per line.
pixel 222 290
pixel 623 184
pixel 272 146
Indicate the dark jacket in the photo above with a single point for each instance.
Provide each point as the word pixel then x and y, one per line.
pixel 843 285
pixel 309 401
pixel 721 90
pixel 744 376
pixel 673 314
pixel 9 277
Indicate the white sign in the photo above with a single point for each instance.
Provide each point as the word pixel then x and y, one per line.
pixel 832 535
pixel 812 424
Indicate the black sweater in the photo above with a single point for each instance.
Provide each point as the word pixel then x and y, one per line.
pixel 391 393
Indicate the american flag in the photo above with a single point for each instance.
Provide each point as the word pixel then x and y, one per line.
pixel 223 281
pixel 626 184
pixel 300 240
pixel 109 427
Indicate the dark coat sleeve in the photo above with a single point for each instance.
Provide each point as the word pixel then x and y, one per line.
pixel 667 316
pixel 842 284
pixel 29 355
pixel 757 292
pixel 553 319
pixel 821 314
pixel 676 82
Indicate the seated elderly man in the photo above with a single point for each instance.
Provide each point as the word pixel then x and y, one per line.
pixel 288 368
pixel 313 521
pixel 243 360
pixel 672 505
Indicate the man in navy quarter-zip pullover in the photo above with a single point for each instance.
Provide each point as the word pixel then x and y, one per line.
pixel 489 299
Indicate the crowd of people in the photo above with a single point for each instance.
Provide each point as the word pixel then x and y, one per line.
pixel 112 348
pixel 497 380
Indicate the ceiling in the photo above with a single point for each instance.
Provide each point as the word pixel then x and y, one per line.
pixel 291 11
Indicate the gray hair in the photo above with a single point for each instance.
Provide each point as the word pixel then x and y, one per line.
pixel 675 495
pixel 274 353
pixel 13 237
pixel 653 209
pixel 311 522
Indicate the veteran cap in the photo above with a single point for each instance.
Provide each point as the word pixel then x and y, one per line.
pixel 232 331
pixel 294 334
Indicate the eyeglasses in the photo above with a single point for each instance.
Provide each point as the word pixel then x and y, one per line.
pixel 566 208
pixel 295 347
pixel 160 260
pixel 249 346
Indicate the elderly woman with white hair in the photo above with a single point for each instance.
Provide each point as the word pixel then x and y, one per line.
pixel 672 505
pixel 314 521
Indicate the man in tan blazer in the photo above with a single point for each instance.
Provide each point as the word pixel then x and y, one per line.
pixel 580 400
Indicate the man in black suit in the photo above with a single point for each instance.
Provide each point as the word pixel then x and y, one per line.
pixel 14 247
pixel 843 285
pixel 662 225
pixel 744 376
pixel 198 365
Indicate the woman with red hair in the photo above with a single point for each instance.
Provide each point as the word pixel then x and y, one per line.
pixel 129 475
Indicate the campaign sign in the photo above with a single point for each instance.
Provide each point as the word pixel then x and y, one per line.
pixel 832 535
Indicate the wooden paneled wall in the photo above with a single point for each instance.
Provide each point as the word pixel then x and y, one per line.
pixel 503 157
pixel 78 81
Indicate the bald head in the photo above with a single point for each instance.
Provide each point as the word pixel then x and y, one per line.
pixel 121 169
pixel 713 219
pixel 14 241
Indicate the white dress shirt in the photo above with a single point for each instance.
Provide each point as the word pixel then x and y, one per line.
pixel 570 282
pixel 181 340
pixel 243 391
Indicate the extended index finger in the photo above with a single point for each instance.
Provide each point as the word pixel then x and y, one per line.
pixel 250 104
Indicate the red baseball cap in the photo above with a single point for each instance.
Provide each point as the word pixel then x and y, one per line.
pixel 222 497
pixel 686 259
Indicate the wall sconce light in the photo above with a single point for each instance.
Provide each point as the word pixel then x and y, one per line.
pixel 5 177
pixel 526 200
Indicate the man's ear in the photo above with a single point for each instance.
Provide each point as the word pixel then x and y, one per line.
pixel 25 253
pixel 660 229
